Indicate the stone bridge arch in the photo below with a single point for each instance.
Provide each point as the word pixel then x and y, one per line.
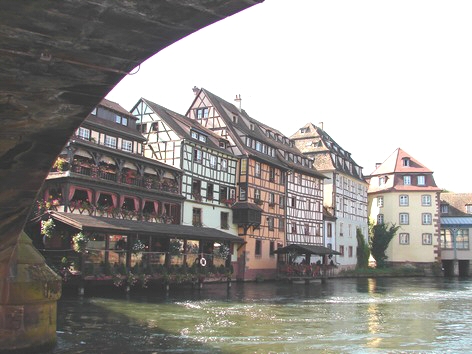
pixel 58 59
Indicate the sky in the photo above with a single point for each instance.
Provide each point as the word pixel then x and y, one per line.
pixel 379 75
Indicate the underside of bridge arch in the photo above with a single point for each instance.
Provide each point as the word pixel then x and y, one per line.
pixel 58 59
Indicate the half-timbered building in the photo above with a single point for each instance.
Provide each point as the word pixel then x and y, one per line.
pixel 209 169
pixel 103 186
pixel 345 190
pixel 279 194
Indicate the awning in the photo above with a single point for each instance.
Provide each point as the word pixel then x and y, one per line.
pixel 306 249
pixel 132 227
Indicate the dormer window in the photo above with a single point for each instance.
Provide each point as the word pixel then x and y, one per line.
pixel 94 111
pixel 121 120
pixel 444 208
pixel 407 180
pixel 251 126
pixel 468 208
pixel 235 119
pixel 406 161
pixel 421 180
pixel 304 130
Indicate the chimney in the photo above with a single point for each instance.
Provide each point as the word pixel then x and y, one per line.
pixel 238 99
pixel 195 90
pixel 377 164
pixel 320 124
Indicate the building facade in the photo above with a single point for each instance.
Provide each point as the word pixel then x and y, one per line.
pixel 345 190
pixel 403 192
pixel 209 169
pixel 279 194
pixel 456 228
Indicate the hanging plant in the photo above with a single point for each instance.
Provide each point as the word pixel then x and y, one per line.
pixel 138 247
pixel 79 242
pixel 223 251
pixel 174 247
pixel 47 228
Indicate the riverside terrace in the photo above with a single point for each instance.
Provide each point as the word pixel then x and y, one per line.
pixel 91 248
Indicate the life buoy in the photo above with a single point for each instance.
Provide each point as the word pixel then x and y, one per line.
pixel 203 262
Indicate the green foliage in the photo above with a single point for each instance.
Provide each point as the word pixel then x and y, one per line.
pixel 47 228
pixel 380 237
pixel 363 250
pixel 79 242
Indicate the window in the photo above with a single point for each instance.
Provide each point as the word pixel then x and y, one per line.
pixel 426 218
pixel 202 138
pixel 271 248
pixel 110 141
pixel 127 145
pixel 271 199
pixel 427 239
pixel 403 200
pixel 380 219
pixel 197 155
pixel 224 165
pixel 462 239
pixel 197 217
pixel 468 208
pixel 404 218
pixel 282 177
pixel 350 251
pixel 243 192
pixel 154 126
pixel 270 223
pixel 381 181
pixel 94 111
pixel 293 228
pixel 210 189
pixel 257 195
pixel 258 146
pixel 404 238
pixel 407 180
pixel 406 161
pixel 421 180
pixel 426 200
pixel 444 208
pixel 341 250
pixel 202 113
pixel 83 133
pixel 194 134
pixel 282 201
pixel 257 169
pixel 306 229
pixel 196 189
pixel 212 161
pixel 258 250
pixel 271 174
pixel 380 202
pixel 243 167
pixel 281 224
pixel 329 229
pixel 224 220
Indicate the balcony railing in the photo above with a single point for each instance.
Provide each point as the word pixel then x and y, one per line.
pixel 148 182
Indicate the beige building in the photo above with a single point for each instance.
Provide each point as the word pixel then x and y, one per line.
pixel 403 192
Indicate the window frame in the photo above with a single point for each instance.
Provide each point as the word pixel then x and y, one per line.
pixel 404 218
pixel 403 238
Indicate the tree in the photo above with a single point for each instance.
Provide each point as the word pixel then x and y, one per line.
pixel 380 237
pixel 363 250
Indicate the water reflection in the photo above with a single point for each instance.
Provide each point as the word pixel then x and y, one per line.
pixel 343 315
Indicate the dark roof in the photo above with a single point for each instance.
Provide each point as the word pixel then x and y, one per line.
pixel 102 224
pixel 306 249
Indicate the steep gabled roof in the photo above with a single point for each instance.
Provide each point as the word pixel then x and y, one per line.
pixel 394 164
pixel 313 141
pixel 116 107
pixel 182 126
pixel 245 125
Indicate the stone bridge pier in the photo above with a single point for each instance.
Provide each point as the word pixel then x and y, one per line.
pixel 58 59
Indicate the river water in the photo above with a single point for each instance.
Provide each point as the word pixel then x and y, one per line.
pixel 386 315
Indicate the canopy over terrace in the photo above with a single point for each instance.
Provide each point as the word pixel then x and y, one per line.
pixel 89 223
pixel 307 250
